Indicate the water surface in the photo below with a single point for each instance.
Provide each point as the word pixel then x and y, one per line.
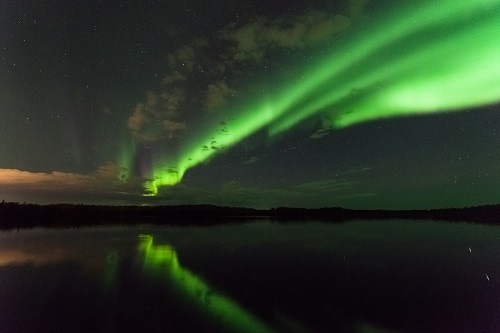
pixel 360 276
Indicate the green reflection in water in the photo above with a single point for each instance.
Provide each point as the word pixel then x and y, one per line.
pixel 110 275
pixel 162 260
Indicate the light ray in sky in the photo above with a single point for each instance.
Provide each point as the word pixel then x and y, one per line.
pixel 126 158
pixel 419 58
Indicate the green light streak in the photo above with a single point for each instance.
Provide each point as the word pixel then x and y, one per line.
pixel 162 259
pixel 420 58
pixel 169 172
pixel 412 64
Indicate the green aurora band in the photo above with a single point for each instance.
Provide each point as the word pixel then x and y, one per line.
pixel 419 57
pixel 162 260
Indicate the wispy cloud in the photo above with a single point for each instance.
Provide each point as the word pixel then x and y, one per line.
pixel 252 160
pixel 103 185
pixel 159 117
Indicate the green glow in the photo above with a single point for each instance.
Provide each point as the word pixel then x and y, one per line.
pixel 162 259
pixel 110 275
pixel 418 58
pixel 126 158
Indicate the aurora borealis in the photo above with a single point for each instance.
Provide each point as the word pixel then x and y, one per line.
pixel 357 103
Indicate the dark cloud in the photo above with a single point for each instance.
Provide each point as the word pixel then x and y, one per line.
pixel 159 117
pixel 323 130
pixel 251 41
pixel 174 77
pixel 356 8
pixel 182 57
pixel 218 95
pixel 187 57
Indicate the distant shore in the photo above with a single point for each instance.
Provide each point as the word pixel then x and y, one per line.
pixel 22 215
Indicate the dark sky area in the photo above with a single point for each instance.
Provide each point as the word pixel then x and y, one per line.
pixel 351 103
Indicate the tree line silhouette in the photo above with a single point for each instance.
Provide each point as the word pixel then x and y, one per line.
pixel 25 215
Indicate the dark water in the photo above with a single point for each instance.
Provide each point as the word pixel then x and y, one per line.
pixel 384 276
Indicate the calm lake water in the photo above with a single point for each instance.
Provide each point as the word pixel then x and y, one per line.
pixel 383 276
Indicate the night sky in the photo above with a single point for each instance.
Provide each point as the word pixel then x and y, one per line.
pixel 351 103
